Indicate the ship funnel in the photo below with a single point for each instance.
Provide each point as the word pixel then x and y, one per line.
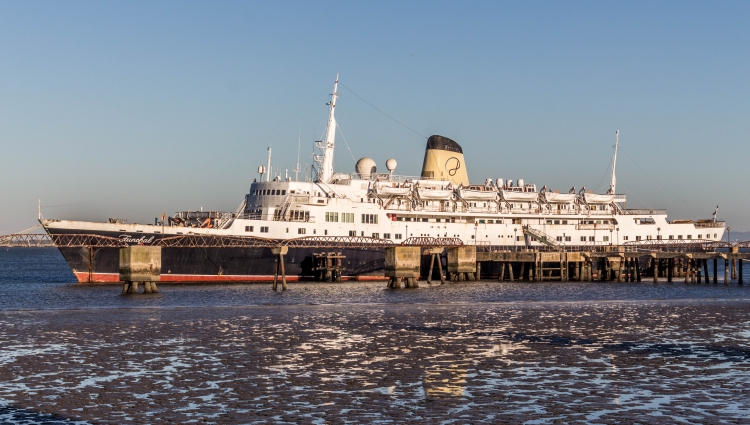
pixel 444 160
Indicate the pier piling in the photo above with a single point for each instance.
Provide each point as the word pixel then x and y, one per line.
pixel 140 264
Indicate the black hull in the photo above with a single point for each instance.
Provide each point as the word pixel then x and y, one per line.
pixel 217 264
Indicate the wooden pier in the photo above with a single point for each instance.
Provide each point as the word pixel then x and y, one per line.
pixel 422 258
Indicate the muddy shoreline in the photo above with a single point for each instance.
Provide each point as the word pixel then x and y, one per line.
pixel 630 361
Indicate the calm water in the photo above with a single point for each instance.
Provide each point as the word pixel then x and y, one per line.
pixel 39 279
pixel 484 352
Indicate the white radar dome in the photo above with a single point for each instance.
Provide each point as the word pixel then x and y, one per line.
pixel 365 167
pixel 391 165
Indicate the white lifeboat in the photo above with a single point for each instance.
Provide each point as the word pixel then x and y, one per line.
pixel 595 198
pixel 391 189
pixel 434 194
pixel 560 198
pixel 513 196
pixel 477 194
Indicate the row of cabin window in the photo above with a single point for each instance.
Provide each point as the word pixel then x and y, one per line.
pixel 269 192
pixel 397 236
pixel 263 229
pixel 333 217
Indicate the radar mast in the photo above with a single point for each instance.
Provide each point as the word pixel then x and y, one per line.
pixel 613 179
pixel 326 159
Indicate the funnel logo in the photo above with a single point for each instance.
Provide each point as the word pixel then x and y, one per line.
pixel 452 165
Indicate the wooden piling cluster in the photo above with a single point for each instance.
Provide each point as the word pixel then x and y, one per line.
pixel 614 265
pixel 328 266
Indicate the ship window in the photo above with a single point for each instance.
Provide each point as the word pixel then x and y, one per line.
pixel 264 229
pixel 690 236
pixel 398 236
pixel 714 234
pixel 559 238
pixel 637 238
pixel 499 221
pixel 424 219
pixel 139 231
pixel 592 239
pixel 671 236
pixel 399 219
pixel 352 233
pixel 565 222
pixel 332 217
pixel 679 236
pixel 287 230
pixel 482 221
pixel 657 237
pixel 605 238
pixel 376 235
pixel 248 228
pixel 283 192
pixel 549 221
pixel 557 221
pixel 325 232
pixel 370 218
pixel 583 238
pixel 567 239
pixel 386 235
pixel 626 238
pixel 408 218
pixel 301 231
pixel 518 238
pixel 699 236
pixel 362 233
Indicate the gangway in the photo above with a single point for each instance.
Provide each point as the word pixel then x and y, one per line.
pixel 542 237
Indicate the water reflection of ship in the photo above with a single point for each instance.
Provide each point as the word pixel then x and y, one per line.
pixel 444 380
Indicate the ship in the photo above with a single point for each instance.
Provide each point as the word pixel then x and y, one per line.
pixel 499 214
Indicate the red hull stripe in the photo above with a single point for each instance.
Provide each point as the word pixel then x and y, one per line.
pixel 83 277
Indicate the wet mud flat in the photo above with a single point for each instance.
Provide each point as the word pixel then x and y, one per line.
pixel 684 361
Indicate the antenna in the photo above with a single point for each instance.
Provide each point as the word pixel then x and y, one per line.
pixel 613 179
pixel 299 144
pixel 268 168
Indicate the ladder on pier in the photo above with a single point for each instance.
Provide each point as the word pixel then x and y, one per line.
pixel 542 237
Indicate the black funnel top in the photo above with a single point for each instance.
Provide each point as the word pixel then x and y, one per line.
pixel 443 144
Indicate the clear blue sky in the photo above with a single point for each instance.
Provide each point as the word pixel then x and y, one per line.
pixel 164 106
